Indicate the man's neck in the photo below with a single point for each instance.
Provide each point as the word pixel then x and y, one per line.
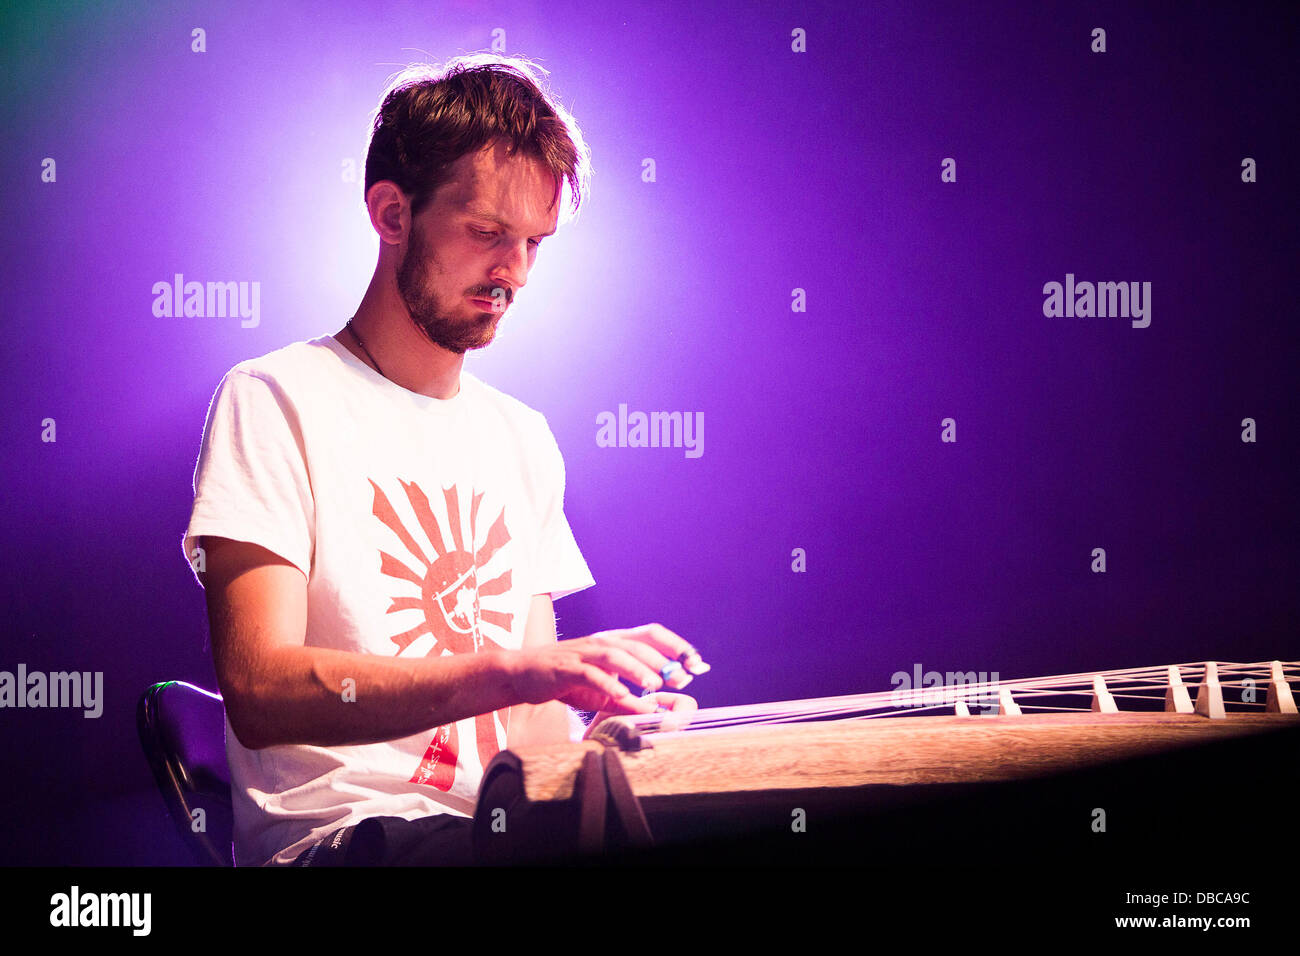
pixel 402 352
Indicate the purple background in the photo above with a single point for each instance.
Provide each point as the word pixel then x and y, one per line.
pixel 776 170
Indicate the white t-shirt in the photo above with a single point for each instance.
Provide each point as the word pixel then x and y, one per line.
pixel 424 526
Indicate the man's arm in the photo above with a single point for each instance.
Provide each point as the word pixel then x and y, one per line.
pixel 279 691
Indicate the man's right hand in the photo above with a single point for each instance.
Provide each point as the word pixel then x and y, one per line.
pixel 584 672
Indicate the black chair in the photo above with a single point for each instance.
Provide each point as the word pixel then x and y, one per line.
pixel 182 730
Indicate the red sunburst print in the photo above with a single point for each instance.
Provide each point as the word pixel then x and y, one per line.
pixel 451 586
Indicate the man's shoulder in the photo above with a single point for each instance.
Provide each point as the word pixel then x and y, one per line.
pixel 286 359
pixel 287 362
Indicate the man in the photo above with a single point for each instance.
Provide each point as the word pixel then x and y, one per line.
pixel 383 534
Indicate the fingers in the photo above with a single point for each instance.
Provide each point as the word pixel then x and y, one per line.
pixel 677 709
pixel 591 669
pixel 626 660
pixel 672 660
pixel 584 698
pixel 681 704
pixel 602 682
pixel 632 705
pixel 678 650
pixel 668 644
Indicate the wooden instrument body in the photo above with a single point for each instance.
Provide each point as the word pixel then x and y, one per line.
pixel 876 769
pixel 716 767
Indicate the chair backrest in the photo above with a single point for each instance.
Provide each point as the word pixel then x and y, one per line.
pixel 182 730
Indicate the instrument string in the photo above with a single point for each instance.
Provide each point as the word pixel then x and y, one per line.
pixel 1137 683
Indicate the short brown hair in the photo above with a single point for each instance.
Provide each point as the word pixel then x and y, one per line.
pixel 432 116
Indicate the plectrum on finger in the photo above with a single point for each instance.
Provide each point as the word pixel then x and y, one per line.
pixel 693 663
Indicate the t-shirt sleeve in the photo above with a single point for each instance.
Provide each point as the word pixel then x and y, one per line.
pixel 251 482
pixel 561 569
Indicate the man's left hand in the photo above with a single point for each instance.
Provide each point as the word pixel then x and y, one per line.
pixel 678 709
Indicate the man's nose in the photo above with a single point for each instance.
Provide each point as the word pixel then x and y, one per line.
pixel 511 271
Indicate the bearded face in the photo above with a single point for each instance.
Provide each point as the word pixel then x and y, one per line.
pixel 446 317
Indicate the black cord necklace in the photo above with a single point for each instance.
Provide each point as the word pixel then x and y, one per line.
pixel 353 330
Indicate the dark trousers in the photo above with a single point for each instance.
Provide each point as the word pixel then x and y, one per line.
pixel 438 840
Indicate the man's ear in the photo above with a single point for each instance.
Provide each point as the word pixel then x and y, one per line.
pixel 390 212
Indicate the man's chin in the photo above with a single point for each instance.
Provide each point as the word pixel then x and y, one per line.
pixel 482 337
pixel 461 346
pixel 462 340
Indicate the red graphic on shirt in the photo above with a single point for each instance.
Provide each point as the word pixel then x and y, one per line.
pixel 450 584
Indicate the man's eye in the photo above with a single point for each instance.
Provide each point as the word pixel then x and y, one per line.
pixel 488 235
